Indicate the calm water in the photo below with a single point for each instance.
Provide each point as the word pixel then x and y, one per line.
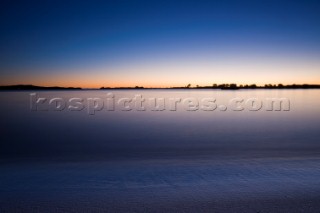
pixel 173 161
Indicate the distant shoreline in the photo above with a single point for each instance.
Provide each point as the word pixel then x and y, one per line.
pixel 32 87
pixel 221 87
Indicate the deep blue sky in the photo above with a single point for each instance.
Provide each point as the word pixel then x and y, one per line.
pixel 159 43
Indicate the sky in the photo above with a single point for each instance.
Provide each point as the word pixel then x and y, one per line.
pixel 163 43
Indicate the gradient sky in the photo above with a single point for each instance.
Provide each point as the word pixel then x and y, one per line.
pixel 159 43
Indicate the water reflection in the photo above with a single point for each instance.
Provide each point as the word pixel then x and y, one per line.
pixel 108 134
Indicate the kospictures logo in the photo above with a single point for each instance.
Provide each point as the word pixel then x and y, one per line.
pixel 138 103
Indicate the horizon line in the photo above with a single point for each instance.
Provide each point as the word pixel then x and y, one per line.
pixel 188 86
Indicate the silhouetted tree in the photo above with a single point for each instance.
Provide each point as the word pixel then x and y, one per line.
pixel 253 86
pixel 222 86
pixel 233 86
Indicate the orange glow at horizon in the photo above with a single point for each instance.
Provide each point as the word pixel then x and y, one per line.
pixel 93 83
pixel 176 74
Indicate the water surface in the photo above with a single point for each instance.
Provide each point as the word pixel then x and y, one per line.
pixel 176 161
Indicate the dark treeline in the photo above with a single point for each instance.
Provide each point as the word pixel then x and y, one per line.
pixel 32 87
pixel 230 87
pixel 252 86
pixel 189 86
